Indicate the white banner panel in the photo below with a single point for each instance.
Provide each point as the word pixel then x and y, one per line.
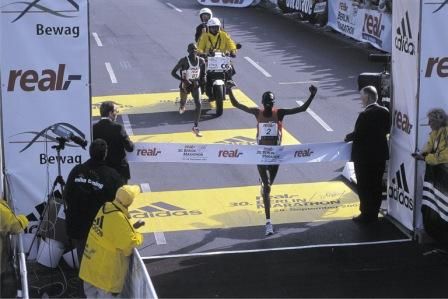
pixel 362 24
pixel 433 73
pixel 45 81
pixel 434 64
pixel 230 3
pixel 240 154
pixel 406 17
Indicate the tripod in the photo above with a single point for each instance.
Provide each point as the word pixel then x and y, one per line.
pixel 58 182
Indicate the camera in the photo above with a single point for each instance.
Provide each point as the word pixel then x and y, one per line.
pixel 68 135
pixel 381 81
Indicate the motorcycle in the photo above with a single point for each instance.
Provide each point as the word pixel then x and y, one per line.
pixel 219 70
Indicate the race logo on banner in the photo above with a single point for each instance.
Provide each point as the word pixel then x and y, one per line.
pixel 229 3
pixel 45 93
pixel 401 176
pixel 376 29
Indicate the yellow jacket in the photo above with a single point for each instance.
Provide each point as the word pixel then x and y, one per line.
pixel 220 41
pixel 110 243
pixel 436 149
pixel 9 222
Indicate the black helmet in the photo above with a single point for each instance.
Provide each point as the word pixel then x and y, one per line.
pixel 268 99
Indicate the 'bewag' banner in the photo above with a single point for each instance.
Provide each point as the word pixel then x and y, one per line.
pixel 240 154
pixel 45 92
pixel 362 24
pixel 229 3
pixel 401 175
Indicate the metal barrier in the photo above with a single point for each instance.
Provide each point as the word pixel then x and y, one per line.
pixel 138 284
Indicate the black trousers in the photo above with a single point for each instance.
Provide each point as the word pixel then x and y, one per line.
pixel 369 178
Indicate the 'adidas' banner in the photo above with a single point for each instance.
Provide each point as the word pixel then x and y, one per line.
pixel 240 154
pixel 45 92
pixel 362 24
pixel 401 177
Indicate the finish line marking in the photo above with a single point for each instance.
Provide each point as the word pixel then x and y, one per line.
pixel 97 39
pixel 173 7
pixel 297 82
pixel 262 70
pixel 159 236
pixel 110 70
pixel 273 249
pixel 317 118
pixel 127 124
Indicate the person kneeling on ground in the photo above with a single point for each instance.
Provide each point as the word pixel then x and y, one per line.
pixel 111 241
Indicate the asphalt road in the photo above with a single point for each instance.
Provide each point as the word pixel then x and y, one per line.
pixel 134 46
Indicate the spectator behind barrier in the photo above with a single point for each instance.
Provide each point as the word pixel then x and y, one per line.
pixel 9 224
pixel 435 187
pixel 111 241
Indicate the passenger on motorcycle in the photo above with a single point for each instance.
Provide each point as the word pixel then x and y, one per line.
pixel 269 132
pixel 192 77
pixel 205 14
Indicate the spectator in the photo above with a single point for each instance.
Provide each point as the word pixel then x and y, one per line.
pixel 9 224
pixel 435 186
pixel 111 241
pixel 116 137
pixel 369 154
pixel 436 149
pixel 89 186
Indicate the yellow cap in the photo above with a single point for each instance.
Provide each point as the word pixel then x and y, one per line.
pixel 126 194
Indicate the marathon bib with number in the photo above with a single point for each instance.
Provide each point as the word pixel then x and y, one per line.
pixel 267 130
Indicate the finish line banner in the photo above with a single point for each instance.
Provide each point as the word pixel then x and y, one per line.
pixel 240 154
pixel 229 3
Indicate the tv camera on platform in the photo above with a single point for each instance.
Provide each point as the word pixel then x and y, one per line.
pixel 66 135
pixel 382 81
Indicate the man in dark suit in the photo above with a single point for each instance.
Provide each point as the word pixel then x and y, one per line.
pixel 116 137
pixel 369 153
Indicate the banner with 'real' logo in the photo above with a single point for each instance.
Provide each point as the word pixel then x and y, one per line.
pixel 229 3
pixel 433 95
pixel 401 177
pixel 362 24
pixel 45 90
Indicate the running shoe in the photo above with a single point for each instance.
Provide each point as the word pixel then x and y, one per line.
pixel 196 131
pixel 181 110
pixel 269 229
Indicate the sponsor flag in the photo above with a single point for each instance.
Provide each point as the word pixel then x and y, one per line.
pixel 45 93
pixel 401 174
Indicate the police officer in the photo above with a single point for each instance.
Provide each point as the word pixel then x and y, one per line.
pixel 269 132
pixel 111 241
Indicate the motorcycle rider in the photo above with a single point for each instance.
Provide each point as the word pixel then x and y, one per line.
pixel 192 77
pixel 205 14
pixel 269 132
pixel 216 39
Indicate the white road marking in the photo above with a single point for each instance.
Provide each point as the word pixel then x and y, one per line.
pixel 159 236
pixel 173 7
pixel 125 65
pixel 297 82
pixel 174 89
pixel 317 118
pixel 109 69
pixel 127 124
pixel 273 249
pixel 97 39
pixel 262 70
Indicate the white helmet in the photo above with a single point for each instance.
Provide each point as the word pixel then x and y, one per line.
pixel 214 22
pixel 207 11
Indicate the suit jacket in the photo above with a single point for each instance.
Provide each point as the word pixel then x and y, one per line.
pixel 370 135
pixel 117 142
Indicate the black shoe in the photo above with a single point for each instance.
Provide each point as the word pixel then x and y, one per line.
pixel 364 219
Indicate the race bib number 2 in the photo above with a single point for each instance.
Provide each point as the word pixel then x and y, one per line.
pixel 268 129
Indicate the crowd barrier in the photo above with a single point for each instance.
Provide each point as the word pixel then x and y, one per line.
pixel 138 284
